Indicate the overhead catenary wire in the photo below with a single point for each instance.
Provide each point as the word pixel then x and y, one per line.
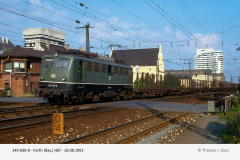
pixel 164 44
pixel 100 20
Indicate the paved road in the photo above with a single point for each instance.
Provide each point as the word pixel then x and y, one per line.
pixel 203 131
pixel 157 105
pixel 150 104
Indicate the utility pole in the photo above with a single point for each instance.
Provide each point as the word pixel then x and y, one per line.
pixel 87 37
pixel 189 67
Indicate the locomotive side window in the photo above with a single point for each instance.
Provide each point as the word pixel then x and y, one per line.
pixel 103 68
pixel 115 70
pixel 62 63
pixel 47 62
pixel 126 71
pixel 96 67
pixel 121 70
pixel 130 71
pixel 89 66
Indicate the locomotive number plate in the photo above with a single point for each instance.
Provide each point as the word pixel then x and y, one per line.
pixel 53 75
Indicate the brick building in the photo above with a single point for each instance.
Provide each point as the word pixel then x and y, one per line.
pixel 23 64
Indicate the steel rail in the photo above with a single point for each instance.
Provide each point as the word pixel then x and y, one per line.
pixel 8 112
pixel 22 108
pixel 185 96
pixel 91 136
pixel 9 129
pixel 157 127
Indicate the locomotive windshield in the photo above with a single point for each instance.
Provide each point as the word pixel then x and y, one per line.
pixel 62 63
pixel 47 62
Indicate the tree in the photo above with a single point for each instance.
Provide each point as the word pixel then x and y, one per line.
pixel 238 49
pixel 6 50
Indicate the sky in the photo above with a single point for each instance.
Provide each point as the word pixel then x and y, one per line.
pixel 179 26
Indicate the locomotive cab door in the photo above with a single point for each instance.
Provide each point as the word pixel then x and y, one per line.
pixel 80 75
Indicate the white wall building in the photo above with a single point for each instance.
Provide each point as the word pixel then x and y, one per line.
pixel 209 59
pixel 41 35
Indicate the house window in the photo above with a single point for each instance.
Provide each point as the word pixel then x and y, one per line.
pixel 8 67
pixel 149 69
pixel 137 69
pixel 19 67
pixel 6 86
pixel 29 66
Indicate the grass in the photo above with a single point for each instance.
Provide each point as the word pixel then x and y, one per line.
pixel 28 95
pixel 231 134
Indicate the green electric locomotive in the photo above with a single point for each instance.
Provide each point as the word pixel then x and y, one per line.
pixel 73 78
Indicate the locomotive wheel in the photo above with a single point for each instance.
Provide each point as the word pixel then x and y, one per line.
pixel 95 98
pixel 125 97
pixel 118 98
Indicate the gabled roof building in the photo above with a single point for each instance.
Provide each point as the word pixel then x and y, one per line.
pixel 5 45
pixel 20 68
pixel 141 60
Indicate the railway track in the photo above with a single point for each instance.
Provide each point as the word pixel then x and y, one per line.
pixel 192 95
pixel 13 111
pixel 18 124
pixel 129 132
pixel 23 123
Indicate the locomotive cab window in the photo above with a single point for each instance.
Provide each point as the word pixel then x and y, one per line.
pixel 62 63
pixel 47 62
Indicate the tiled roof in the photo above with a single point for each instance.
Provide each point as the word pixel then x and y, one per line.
pixel 140 57
pixel 5 45
pixel 29 52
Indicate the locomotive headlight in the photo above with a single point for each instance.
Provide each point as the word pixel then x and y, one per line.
pixel 64 79
pixel 42 78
